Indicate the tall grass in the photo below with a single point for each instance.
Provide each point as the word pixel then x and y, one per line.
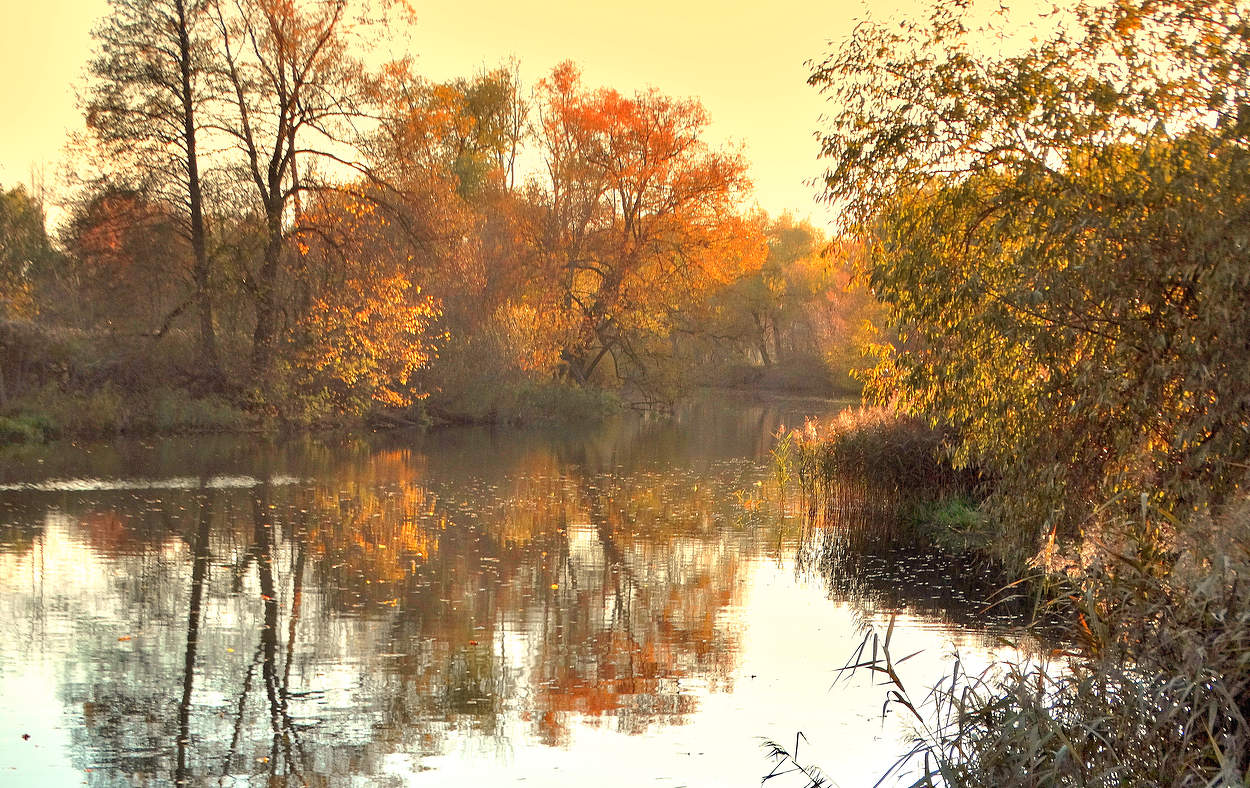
pixel 872 474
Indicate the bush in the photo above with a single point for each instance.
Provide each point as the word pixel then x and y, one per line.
pixel 26 428
pixel 101 412
pixel 175 410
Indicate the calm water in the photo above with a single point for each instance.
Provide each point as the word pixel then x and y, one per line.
pixel 629 606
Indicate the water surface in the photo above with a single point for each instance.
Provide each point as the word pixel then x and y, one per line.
pixel 623 606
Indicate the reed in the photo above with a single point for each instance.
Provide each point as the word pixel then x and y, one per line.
pixel 872 474
pixel 1151 688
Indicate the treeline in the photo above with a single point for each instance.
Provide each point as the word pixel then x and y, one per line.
pixel 1059 234
pixel 272 224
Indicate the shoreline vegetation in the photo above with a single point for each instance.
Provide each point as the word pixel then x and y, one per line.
pixel 266 228
pixel 78 386
pixel 1147 678
pixel 1058 233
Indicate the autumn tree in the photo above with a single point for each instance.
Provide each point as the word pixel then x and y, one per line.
pixel 461 139
pixel 24 250
pixel 132 269
pixel 1060 236
pixel 471 129
pixel 146 106
pixel 639 217
pixel 364 327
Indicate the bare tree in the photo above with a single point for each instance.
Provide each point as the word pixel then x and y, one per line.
pixel 295 94
pixel 151 75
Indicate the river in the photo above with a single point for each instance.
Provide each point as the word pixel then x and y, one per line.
pixel 630 605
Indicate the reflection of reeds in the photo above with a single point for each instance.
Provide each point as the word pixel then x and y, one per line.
pixel 876 577
pixel 859 509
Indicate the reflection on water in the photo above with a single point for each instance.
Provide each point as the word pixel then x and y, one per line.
pixel 181 483
pixel 621 606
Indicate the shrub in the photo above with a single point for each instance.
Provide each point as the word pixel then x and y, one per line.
pixel 26 428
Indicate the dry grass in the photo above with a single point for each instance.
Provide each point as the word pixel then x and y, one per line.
pixel 866 472
pixel 1152 690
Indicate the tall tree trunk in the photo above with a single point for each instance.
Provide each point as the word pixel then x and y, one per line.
pixel 200 273
pixel 265 333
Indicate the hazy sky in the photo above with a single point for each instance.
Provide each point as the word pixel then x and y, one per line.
pixel 743 60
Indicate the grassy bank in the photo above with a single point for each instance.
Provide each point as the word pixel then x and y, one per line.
pixel 53 412
pixel 108 411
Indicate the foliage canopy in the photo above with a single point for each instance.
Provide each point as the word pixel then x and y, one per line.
pixel 1061 236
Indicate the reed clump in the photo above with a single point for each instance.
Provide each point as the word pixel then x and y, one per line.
pixel 874 472
pixel 1157 691
pixel 878 442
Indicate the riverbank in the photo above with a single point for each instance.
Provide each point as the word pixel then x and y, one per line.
pixel 109 411
pixel 1152 684
pixel 93 404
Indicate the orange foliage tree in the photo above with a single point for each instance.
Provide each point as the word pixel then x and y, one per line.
pixel 364 326
pixel 638 219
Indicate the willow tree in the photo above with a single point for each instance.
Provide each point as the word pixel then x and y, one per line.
pixel 1061 235
pixel 146 109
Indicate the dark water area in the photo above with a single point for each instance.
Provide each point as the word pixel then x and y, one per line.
pixel 634 604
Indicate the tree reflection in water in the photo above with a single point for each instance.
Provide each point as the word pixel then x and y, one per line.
pixel 296 633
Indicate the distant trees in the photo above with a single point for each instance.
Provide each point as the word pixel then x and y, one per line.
pixel 273 92
pixel 24 250
pixel 134 269
pixel 803 310
pixel 293 90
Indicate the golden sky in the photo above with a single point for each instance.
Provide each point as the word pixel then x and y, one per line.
pixel 743 60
